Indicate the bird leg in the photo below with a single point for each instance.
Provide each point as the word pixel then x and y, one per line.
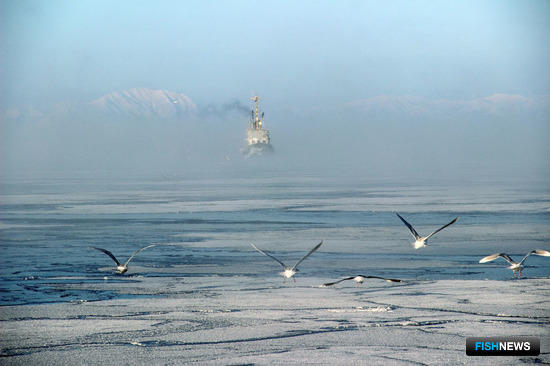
pixel 294 279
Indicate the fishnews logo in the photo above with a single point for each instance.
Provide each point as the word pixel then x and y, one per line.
pixel 502 346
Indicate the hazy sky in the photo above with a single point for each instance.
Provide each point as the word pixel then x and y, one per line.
pixel 298 55
pixel 313 51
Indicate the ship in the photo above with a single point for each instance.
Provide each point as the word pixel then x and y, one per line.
pixel 258 139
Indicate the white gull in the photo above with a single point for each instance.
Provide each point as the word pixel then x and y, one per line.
pixel 288 271
pixel 422 241
pixel 359 279
pixel 515 266
pixel 122 268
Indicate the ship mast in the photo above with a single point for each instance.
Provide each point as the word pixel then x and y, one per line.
pixel 257 121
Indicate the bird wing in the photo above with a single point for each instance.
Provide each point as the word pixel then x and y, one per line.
pixel 108 253
pixel 269 255
pixel 492 257
pixel 307 255
pixel 343 279
pixel 137 251
pixel 382 278
pixel 413 231
pixel 541 252
pixel 443 227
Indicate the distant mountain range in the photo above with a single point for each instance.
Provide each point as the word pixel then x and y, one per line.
pixel 495 104
pixel 148 104
pixel 138 103
pixel 145 103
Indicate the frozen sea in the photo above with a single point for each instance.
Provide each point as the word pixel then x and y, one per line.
pixel 204 296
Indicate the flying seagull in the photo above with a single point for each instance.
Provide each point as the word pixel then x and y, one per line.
pixel 515 266
pixel 360 279
pixel 421 241
pixel 288 271
pixel 122 268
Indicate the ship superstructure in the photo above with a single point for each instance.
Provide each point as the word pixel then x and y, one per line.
pixel 257 138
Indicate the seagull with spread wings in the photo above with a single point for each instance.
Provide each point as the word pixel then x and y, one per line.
pixel 288 272
pixel 422 241
pixel 515 266
pixel 122 268
pixel 359 279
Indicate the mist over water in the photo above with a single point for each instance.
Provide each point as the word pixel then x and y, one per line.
pixel 344 142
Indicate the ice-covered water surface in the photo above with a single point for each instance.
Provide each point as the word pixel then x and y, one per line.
pixel 205 226
pixel 205 292
pixel 259 320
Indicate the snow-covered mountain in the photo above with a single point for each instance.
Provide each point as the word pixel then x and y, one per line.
pixel 496 104
pixel 138 103
pixel 145 103
pixel 148 104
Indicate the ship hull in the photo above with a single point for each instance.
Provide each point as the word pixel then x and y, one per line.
pixel 257 149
